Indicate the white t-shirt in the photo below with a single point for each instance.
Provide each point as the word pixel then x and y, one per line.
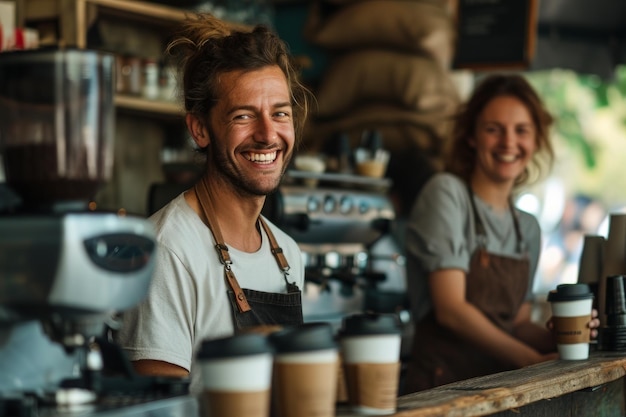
pixel 187 301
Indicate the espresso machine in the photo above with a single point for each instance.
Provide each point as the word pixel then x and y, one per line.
pixel 342 224
pixel 67 268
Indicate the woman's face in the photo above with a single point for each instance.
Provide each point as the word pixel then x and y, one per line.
pixel 505 140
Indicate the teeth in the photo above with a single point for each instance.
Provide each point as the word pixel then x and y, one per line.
pixel 263 158
pixel 506 158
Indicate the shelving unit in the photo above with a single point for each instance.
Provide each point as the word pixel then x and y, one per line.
pixel 126 9
pixel 72 19
pixel 133 29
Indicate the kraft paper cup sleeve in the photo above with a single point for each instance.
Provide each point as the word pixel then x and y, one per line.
pixel 304 389
pixel 235 404
pixel 571 312
pixel 305 371
pixel 373 385
pixel 236 375
pixel 372 371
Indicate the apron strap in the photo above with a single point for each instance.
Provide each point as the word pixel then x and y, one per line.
pixel 202 193
pixel 277 251
pixel 481 232
pixel 206 204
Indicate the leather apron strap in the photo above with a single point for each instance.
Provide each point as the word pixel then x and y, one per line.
pixel 206 204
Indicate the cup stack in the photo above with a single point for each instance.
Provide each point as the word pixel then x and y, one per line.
pixel 613 334
pixel 591 263
pixel 614 262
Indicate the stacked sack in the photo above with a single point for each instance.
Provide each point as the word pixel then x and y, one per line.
pixel 389 71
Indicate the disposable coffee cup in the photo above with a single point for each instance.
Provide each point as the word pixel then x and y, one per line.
pixel 236 376
pixel 571 312
pixel 370 349
pixel 305 371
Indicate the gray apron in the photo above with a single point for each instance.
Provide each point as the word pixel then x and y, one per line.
pixel 497 286
pixel 253 308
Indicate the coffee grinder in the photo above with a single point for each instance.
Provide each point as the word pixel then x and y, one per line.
pixel 65 267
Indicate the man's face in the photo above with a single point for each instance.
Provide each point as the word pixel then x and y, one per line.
pixel 251 130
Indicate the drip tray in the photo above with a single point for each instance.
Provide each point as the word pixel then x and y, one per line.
pixel 107 406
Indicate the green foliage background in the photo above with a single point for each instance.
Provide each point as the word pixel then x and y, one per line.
pixel 589 133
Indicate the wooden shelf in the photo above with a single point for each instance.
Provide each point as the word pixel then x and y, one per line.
pixel 73 18
pixel 139 8
pixel 145 12
pixel 154 107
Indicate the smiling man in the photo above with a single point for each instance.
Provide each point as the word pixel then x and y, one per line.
pixel 221 266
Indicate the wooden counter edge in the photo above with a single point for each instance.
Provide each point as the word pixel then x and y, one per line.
pixel 513 389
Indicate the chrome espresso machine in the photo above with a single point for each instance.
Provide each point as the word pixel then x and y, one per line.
pixel 342 224
pixel 65 267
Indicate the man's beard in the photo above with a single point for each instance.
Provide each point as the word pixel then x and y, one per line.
pixel 242 184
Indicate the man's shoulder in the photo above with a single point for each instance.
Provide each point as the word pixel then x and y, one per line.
pixel 175 219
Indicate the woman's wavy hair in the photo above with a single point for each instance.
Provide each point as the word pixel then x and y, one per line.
pixel 206 47
pixel 461 157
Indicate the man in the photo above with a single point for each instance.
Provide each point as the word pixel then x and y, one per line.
pixel 221 267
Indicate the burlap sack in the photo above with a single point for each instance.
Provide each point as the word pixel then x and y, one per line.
pixel 409 26
pixel 410 82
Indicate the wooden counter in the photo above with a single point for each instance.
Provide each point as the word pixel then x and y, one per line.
pixel 594 387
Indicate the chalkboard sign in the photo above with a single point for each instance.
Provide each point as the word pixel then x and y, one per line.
pixel 494 34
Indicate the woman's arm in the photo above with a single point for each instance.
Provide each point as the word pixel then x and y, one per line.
pixel 452 311
pixel 537 336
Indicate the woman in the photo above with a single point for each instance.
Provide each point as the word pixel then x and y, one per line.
pixel 471 254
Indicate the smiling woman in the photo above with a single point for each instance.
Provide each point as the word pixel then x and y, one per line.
pixel 471 254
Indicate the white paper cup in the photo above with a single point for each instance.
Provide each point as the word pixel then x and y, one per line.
pixel 370 349
pixel 236 376
pixel 305 371
pixel 571 312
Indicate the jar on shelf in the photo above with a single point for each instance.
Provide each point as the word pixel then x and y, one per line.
pixel 167 83
pixel 151 79
pixel 129 75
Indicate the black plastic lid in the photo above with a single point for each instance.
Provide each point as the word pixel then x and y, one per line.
pixel 303 338
pixel 233 346
pixel 370 324
pixel 570 292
